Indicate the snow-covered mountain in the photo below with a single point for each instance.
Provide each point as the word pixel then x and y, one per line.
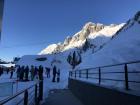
pixel 97 35
pixel 123 47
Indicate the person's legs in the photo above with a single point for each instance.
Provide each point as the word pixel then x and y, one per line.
pixel 49 75
pixel 58 78
pixel 53 78
pixel 12 75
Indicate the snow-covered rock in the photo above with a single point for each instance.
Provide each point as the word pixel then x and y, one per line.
pixel 50 48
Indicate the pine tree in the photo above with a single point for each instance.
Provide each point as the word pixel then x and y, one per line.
pixel 86 46
pixel 74 59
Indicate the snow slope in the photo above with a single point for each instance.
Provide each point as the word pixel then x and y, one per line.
pixel 122 48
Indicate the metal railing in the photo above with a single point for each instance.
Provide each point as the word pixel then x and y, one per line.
pixel 99 72
pixel 29 97
pixel 11 85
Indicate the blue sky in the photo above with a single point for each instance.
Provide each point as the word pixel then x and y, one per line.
pixel 43 22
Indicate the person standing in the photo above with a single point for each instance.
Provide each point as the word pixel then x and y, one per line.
pixel 18 72
pixel 54 74
pixel 22 73
pixel 40 72
pixel 11 71
pixel 48 72
pixel 0 71
pixel 36 73
pixel 26 73
pixel 58 75
pixel 7 69
pixel 32 73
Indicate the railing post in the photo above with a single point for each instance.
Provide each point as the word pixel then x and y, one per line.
pixel 69 74
pixel 26 97
pixel 41 90
pixel 126 77
pixel 79 73
pixel 36 98
pixel 75 74
pixel 87 73
pixel 99 75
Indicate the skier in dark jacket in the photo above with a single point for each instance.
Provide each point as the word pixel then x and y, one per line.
pixel 36 73
pixel 32 72
pixel 22 73
pixel 40 72
pixel 26 73
pixel 54 73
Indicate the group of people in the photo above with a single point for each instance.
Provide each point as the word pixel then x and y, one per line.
pixel 24 71
pixel 37 73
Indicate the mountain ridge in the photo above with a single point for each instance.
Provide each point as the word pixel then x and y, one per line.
pixel 89 31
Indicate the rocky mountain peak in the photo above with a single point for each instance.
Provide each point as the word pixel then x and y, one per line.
pixel 93 27
pixel 88 24
pixel 67 40
pixel 88 29
pixel 78 40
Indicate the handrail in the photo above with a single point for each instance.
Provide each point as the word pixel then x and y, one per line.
pixel 131 62
pixel 125 72
pixel 17 94
pixel 21 92
pixel 7 82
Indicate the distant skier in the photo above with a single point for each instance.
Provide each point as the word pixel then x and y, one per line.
pixel 54 73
